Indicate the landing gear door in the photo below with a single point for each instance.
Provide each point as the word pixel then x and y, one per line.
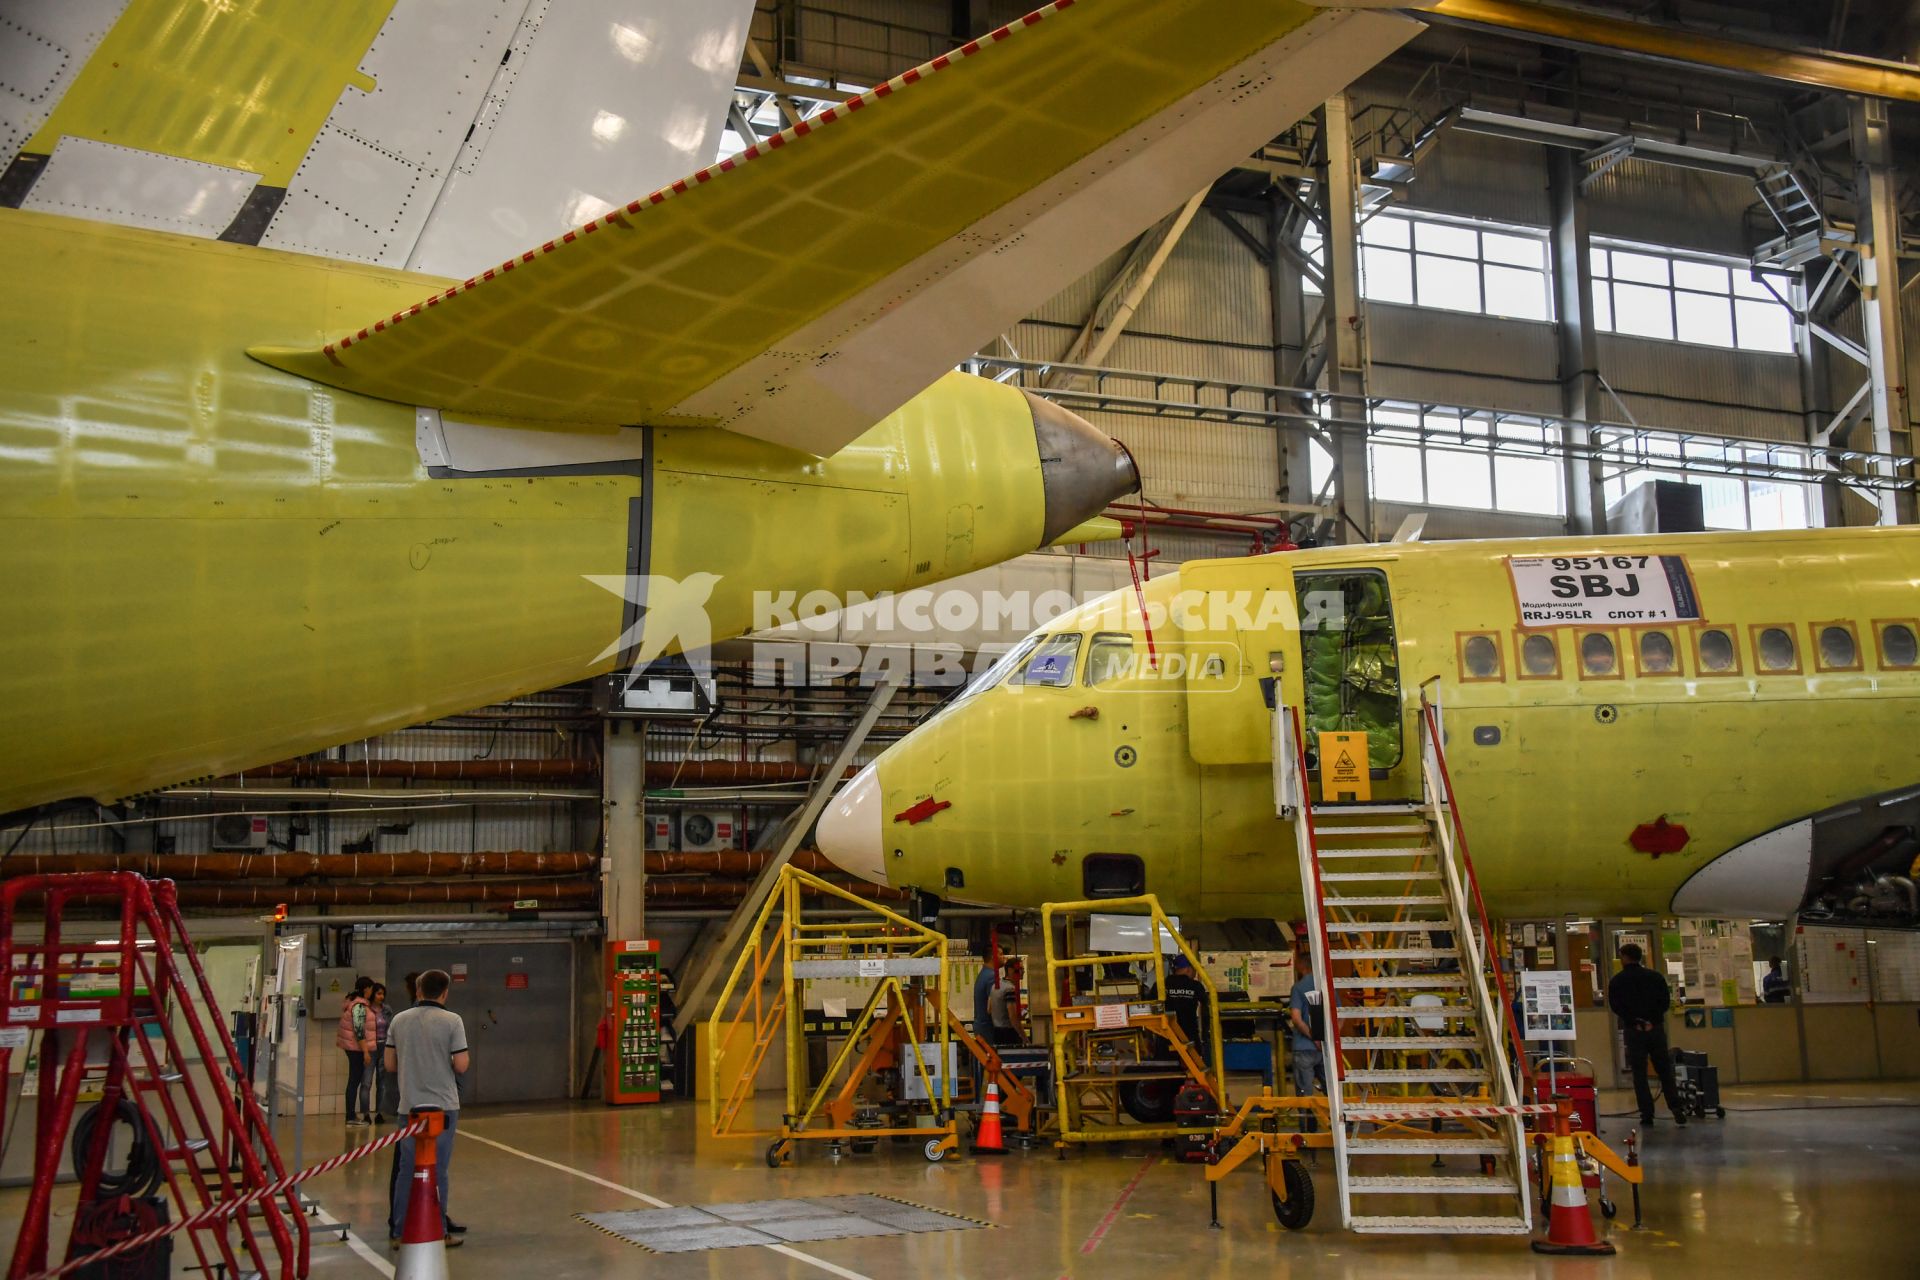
pixel 1237 623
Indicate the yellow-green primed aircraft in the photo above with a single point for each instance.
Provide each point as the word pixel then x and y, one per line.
pixel 259 502
pixel 1713 724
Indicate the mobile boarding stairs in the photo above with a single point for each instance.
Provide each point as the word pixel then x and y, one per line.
pixel 1428 1111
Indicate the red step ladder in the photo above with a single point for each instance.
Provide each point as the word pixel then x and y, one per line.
pixel 118 1001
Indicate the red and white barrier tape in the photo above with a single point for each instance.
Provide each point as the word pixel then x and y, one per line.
pixel 1366 1113
pixel 213 1213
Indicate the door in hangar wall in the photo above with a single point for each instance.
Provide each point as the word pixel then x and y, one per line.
pixel 516 998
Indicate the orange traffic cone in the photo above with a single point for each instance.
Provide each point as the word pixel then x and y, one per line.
pixel 1570 1221
pixel 986 1139
pixel 423 1238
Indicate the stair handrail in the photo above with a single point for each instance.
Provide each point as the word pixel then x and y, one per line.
pixel 1455 839
pixel 1293 800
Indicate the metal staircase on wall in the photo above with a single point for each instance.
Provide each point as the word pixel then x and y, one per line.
pixel 1794 201
pixel 1428 1118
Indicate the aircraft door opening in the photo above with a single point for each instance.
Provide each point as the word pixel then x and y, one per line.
pixel 1350 663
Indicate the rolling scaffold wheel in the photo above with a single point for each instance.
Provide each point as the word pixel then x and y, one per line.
pixel 1296 1211
pixel 777 1153
pixel 936 1150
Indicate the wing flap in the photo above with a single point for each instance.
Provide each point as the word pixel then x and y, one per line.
pixel 804 289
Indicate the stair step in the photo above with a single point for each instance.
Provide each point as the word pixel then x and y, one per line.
pixel 192 1146
pixel 1450 1185
pixel 1345 877
pixel 1415 1075
pixel 1437 1225
pixel 1402 981
pixel 1418 1109
pixel 1382 926
pixel 1368 810
pixel 1345 902
pixel 1394 953
pixel 150 1082
pixel 1415 1043
pixel 1391 851
pixel 1404 829
pixel 1362 1145
pixel 1399 1011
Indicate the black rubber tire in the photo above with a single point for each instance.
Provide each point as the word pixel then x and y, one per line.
pixel 1149 1101
pixel 1720 1112
pixel 1608 1208
pixel 1296 1211
pixel 776 1153
pixel 933 1152
pixel 864 1148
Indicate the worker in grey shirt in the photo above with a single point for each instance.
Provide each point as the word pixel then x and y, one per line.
pixel 427 1046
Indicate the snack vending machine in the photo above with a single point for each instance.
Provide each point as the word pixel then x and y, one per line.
pixel 633 1022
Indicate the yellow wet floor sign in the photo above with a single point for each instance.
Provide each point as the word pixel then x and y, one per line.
pixel 1343 767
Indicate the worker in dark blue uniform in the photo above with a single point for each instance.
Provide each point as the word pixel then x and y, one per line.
pixel 1639 998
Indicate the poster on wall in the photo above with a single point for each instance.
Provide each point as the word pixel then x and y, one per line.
pixel 1546 1004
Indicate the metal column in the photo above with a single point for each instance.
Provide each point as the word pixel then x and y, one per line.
pixel 1345 322
pixel 623 769
pixel 1880 303
pixel 1579 360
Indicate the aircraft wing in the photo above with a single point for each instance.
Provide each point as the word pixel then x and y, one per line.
pixel 805 288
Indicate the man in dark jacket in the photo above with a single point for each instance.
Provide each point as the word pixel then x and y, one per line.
pixel 1639 998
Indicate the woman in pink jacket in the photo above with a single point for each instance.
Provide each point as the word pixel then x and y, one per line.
pixel 358 1038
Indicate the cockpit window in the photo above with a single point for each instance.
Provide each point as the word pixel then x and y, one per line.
pixel 1109 657
pixel 1052 663
pixel 993 675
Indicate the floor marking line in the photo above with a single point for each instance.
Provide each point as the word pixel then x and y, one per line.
pixel 1126 1194
pixel 354 1242
pixel 791 1252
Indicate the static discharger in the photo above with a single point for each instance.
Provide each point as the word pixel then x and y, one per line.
pixel 1344 775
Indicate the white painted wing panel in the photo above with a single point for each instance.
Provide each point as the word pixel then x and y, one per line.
pixel 366 187
pixel 87 179
pixel 860 360
pixel 609 99
pixel 43 45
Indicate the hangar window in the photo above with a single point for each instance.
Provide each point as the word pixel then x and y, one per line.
pixel 1480 459
pixel 1479 656
pixel 1598 659
pixel 1112 875
pixel 1717 654
pixel 1839 648
pixel 1716 302
pixel 1109 657
pixel 1539 656
pixel 1898 647
pixel 1774 650
pixel 1657 655
pixel 1489 268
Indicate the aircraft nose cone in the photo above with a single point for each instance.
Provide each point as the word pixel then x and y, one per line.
pixel 849 830
pixel 1082 468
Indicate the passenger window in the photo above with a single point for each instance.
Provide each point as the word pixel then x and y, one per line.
pixel 1839 650
pixel 1479 656
pixel 1539 657
pixel 1774 650
pixel 1598 660
pixel 1052 663
pixel 1109 657
pixel 1657 657
pixel 1718 655
pixel 1898 647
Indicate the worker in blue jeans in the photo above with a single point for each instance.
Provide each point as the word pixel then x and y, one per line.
pixel 1306 1019
pixel 427 1046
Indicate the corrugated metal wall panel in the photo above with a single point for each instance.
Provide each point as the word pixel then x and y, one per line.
pixel 1666 205
pixel 1688 387
pixel 1475 176
pixel 1463 359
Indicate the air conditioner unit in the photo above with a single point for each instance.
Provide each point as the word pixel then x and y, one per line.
pixel 662 831
pixel 239 831
pixel 706 831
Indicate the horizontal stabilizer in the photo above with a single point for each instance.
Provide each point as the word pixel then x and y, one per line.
pixel 807 287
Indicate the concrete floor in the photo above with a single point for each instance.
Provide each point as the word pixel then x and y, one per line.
pixel 1797 1180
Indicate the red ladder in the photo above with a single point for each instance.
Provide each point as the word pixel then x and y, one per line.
pixel 118 1000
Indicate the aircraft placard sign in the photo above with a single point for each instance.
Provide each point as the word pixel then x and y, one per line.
pixel 1617 590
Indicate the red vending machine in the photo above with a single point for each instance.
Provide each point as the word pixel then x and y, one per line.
pixel 633 1022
